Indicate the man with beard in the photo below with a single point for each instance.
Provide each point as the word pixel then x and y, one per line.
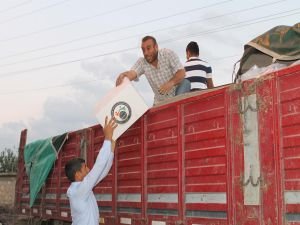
pixel 162 69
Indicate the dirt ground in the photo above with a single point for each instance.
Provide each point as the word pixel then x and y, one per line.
pixel 9 217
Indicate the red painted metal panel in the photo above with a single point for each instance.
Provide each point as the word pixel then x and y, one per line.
pixel 21 178
pixel 129 176
pixel 289 119
pixel 268 145
pixel 183 162
pixel 205 169
pixel 271 187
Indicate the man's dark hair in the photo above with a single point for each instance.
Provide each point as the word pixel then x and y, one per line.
pixel 193 48
pixel 146 38
pixel 72 167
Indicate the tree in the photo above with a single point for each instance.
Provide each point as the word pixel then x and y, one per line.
pixel 8 161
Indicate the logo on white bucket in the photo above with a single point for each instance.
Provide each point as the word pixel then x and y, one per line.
pixel 121 111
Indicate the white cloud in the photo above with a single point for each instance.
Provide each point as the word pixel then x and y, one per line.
pixel 75 110
pixel 10 135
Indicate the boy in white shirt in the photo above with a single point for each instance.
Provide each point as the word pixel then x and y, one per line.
pixel 84 208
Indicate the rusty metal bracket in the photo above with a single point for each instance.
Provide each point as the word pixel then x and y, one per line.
pixel 245 106
pixel 251 180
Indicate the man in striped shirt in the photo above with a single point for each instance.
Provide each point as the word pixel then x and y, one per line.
pixel 198 72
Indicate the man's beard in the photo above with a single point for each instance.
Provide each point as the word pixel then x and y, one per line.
pixel 155 55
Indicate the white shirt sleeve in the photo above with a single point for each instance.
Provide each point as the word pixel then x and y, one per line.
pixel 107 167
pixel 100 168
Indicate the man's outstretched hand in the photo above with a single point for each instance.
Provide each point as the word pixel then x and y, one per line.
pixel 109 128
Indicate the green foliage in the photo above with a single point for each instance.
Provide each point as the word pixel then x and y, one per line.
pixel 8 161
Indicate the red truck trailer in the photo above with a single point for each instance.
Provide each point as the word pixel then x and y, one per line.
pixel 229 155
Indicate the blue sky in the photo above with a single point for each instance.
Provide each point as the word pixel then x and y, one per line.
pixel 59 57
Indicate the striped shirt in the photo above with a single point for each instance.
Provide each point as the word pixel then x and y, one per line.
pixel 197 72
pixel 168 65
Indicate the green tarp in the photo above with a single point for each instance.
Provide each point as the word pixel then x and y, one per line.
pixel 39 157
pixel 281 44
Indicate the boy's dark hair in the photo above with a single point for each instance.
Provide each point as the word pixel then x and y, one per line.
pixel 193 48
pixel 146 38
pixel 72 167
